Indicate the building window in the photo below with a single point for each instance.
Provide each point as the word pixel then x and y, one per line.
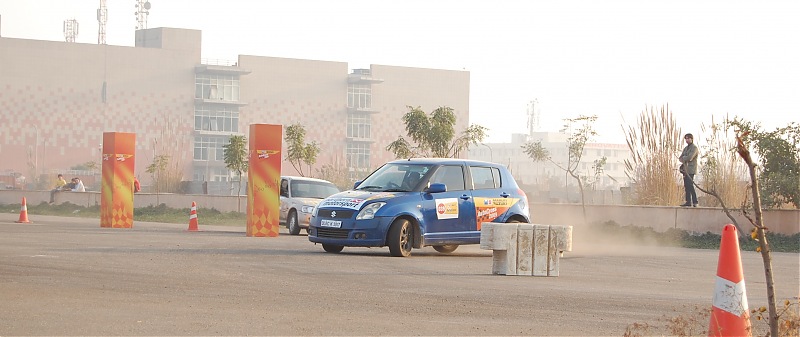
pixel 210 117
pixel 217 87
pixel 209 148
pixel 358 155
pixel 359 96
pixel 211 174
pixel 358 126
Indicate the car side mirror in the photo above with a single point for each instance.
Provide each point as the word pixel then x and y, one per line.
pixel 357 183
pixel 437 188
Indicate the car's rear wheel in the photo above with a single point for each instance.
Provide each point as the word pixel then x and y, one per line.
pixel 401 238
pixel 445 248
pixel 292 224
pixel 332 248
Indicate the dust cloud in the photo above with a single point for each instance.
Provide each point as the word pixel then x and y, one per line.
pixel 598 238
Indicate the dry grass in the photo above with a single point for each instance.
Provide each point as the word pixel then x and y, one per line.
pixel 695 322
pixel 652 169
pixel 723 172
pixel 169 179
pixel 337 173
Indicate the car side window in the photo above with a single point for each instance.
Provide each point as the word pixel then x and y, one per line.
pixel 496 175
pixel 484 177
pixel 450 175
pixel 284 188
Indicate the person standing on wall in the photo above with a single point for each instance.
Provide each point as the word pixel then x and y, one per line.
pixel 688 168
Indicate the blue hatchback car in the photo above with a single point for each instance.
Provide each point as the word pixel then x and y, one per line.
pixel 414 203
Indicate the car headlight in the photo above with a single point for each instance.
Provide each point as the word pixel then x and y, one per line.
pixel 307 209
pixel 369 211
pixel 314 211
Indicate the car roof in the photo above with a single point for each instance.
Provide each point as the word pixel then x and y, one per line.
pixel 443 161
pixel 306 179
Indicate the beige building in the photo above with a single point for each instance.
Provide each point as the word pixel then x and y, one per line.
pixel 545 180
pixel 57 99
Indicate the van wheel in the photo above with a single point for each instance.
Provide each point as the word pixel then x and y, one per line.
pixel 401 237
pixel 445 248
pixel 332 248
pixel 291 223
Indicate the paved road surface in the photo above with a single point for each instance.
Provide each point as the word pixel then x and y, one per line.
pixel 68 276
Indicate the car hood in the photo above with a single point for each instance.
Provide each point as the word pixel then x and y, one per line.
pixel 307 201
pixel 355 199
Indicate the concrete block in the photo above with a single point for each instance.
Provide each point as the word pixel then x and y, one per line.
pixel 526 249
pixel 555 245
pixel 541 246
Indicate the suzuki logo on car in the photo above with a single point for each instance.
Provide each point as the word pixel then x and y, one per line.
pixel 333 214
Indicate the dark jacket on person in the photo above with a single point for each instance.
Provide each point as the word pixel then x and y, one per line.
pixel 689 158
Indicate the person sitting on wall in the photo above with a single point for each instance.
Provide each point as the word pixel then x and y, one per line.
pixel 60 183
pixel 69 186
pixel 78 185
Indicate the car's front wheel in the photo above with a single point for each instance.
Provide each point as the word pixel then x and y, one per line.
pixel 332 248
pixel 401 238
pixel 292 224
pixel 445 248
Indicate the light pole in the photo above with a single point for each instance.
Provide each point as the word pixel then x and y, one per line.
pixel 36 153
pixel 491 153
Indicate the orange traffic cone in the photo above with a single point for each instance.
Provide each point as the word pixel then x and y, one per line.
pixel 23 212
pixel 193 218
pixel 729 314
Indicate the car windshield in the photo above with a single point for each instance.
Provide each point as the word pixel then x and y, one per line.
pixel 312 189
pixel 395 178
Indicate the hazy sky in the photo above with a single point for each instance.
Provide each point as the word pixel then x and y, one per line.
pixel 609 58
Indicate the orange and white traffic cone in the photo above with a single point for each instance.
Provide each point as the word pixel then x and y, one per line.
pixel 23 212
pixel 729 314
pixel 193 218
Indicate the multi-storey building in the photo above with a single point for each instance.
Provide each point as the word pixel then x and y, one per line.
pixel 546 175
pixel 57 99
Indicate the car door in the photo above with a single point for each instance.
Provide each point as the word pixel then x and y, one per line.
pixel 284 196
pixel 491 200
pixel 448 215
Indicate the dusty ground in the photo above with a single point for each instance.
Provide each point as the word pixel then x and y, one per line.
pixel 68 276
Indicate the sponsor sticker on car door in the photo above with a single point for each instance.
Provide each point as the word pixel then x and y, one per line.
pixel 489 209
pixel 447 208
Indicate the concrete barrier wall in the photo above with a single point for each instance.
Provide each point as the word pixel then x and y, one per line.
pixel 88 199
pixel 660 218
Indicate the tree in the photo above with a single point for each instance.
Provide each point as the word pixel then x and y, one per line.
pixel 91 166
pixel 298 151
pixel 779 154
pixel 576 142
pixel 156 170
pixel 742 147
pixel 235 157
pixel 434 135
pixel 746 136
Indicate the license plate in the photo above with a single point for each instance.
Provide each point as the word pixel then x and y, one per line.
pixel 331 223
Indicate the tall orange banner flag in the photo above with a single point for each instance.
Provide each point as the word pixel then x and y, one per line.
pixel 116 196
pixel 263 178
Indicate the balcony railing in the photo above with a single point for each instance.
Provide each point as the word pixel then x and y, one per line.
pixel 219 62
